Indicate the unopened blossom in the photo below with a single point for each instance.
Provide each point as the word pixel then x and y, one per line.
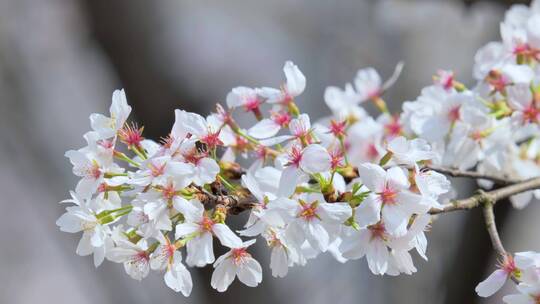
pixel 236 263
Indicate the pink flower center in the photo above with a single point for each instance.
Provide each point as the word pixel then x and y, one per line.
pixel 477 135
pixel 169 192
pixel 93 171
pixel 453 114
pixel 206 224
pixel 252 103
pixel 508 265
pixel 521 48
pixel 156 170
pixel 193 156
pixel 530 114
pixel 141 257
pixel 447 81
pixel 295 156
pixel 212 140
pixel 372 152
pixel 131 135
pixel 239 255
pixel 336 158
pixel 338 128
pixel 374 93
pixel 309 211
pixel 281 118
pixel 388 195
pixel 107 144
pixel 102 188
pixel 497 80
pixel 378 231
pixel 393 128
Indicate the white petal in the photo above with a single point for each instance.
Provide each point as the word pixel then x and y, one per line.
pixel 223 275
pixel 296 81
pixel 377 257
pixel 279 262
pixel 289 180
pixel 369 211
pixel 208 170
pixel 264 129
pixel 373 176
pixel 250 272
pixel 69 222
pixel 226 236
pixel 518 299
pixel 200 251
pixel 335 212
pixel 492 284
pixel 315 159
pixel 396 178
pixel 317 236
pixel 185 229
pixel 195 124
pixel 179 279
pixel 395 220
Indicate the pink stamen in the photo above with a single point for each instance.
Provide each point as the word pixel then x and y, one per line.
pixel 388 195
pixel 454 114
pixel 295 156
pixel 239 255
pixel 378 231
pixel 206 224
pixel 338 128
pixel 281 118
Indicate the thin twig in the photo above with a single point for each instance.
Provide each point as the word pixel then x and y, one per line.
pixel 491 227
pixel 494 196
pixel 489 218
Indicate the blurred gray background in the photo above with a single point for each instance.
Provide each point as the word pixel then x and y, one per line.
pixel 60 61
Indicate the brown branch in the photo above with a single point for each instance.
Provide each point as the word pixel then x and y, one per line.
pixel 489 218
pixel 235 204
pixel 491 196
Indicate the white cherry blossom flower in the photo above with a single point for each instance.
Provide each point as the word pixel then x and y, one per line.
pixel 236 263
pixel 177 277
pixel 390 189
pixel 202 228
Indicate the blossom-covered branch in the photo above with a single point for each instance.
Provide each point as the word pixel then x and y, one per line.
pixel 351 184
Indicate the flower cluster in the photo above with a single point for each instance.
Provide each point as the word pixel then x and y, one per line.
pixel 350 184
